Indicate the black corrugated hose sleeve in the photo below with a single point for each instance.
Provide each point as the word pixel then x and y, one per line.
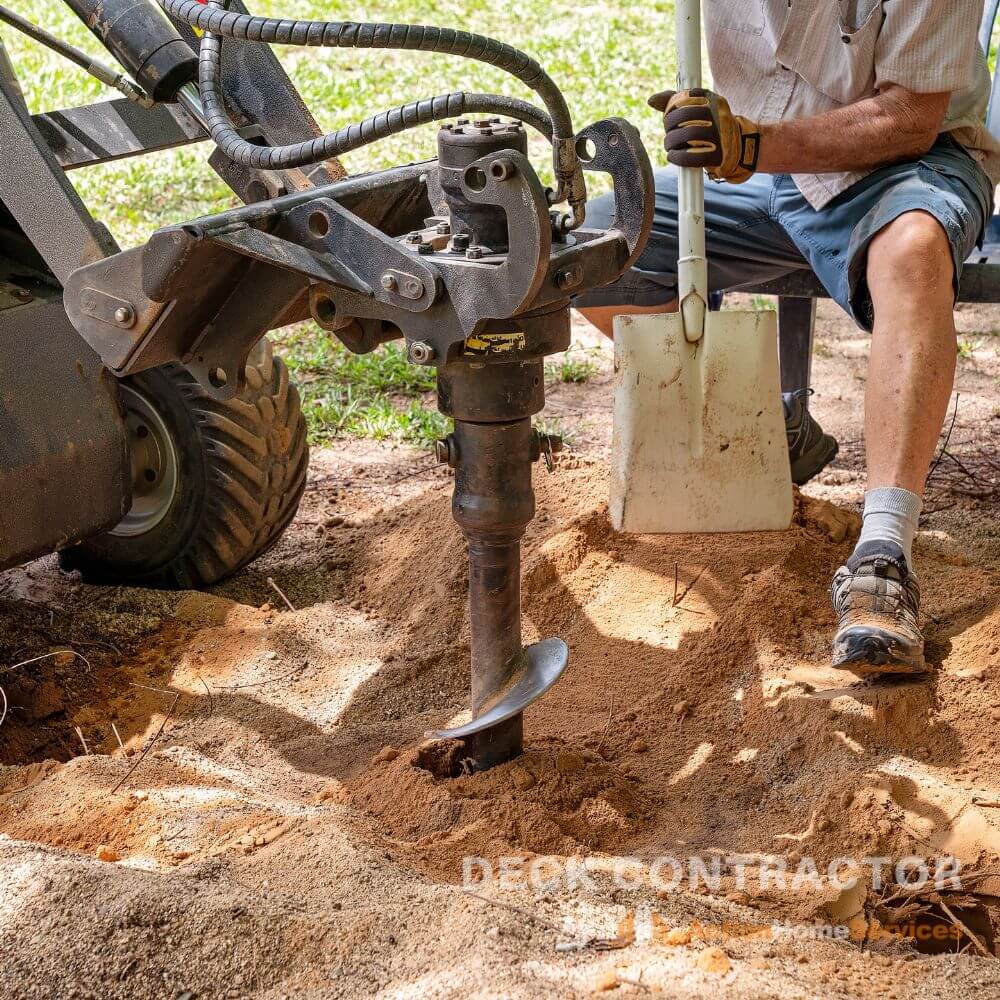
pixel 350 137
pixel 218 23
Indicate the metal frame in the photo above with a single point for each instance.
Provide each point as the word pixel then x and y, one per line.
pixel 797 292
pixel 64 470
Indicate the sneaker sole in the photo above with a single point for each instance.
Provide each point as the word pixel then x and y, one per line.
pixel 869 656
pixel 808 466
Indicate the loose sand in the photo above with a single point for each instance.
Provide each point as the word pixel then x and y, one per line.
pixel 276 826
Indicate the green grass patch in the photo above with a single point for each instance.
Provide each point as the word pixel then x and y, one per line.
pixel 575 366
pixel 379 395
pixel 607 58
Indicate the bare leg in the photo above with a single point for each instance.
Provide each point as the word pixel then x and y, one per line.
pixel 912 369
pixel 910 378
pixel 603 316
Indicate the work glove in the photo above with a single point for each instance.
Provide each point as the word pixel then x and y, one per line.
pixel 702 131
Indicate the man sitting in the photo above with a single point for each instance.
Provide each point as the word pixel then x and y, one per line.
pixel 852 138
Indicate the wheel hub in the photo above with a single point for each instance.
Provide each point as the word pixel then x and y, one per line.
pixel 154 466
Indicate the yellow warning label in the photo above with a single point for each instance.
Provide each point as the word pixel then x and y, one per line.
pixel 495 343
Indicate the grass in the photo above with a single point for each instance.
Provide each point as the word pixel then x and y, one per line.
pixel 574 366
pixel 379 395
pixel 967 348
pixel 589 49
pixel 607 57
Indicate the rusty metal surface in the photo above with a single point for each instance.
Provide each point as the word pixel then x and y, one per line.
pixel 64 471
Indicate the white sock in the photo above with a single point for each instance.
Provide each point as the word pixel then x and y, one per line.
pixel 892 514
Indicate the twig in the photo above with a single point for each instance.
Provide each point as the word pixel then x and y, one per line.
pixel 79 732
pixel 280 593
pixel 969 934
pixel 273 680
pixel 211 697
pixel 632 982
pixel 148 746
pixel 3 716
pixel 947 439
pixel 117 735
pixel 155 690
pixel 688 588
pixel 48 656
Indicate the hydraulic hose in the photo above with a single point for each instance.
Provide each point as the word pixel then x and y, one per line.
pixel 216 23
pixel 351 137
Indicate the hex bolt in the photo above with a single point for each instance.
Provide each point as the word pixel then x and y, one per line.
pixel 389 282
pixel 413 288
pixel 445 451
pixel 125 316
pixel 414 238
pixel 421 353
pixel 461 242
pixel 443 228
pixel 425 249
pixel 546 446
pixel 569 278
pixel 474 253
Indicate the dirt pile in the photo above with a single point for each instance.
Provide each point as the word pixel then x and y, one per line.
pixel 281 755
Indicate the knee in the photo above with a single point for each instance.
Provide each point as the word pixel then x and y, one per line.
pixel 913 250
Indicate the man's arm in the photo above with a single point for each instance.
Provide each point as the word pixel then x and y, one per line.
pixel 896 124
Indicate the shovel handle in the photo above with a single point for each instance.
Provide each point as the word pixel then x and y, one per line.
pixel 692 264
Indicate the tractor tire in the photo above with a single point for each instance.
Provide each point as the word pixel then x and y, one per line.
pixel 214 483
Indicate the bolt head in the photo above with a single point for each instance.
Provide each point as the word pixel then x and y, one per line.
pixel 389 282
pixel 474 253
pixel 570 278
pixel 124 315
pixel 461 242
pixel 421 353
pixel 413 288
pixel 443 228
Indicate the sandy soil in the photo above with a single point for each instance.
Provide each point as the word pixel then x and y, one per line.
pixel 274 824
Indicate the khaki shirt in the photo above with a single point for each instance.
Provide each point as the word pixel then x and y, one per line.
pixel 777 60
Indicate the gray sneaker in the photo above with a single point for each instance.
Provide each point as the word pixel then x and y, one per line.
pixel 809 448
pixel 877 600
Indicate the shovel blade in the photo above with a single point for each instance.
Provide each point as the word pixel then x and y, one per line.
pixel 699 432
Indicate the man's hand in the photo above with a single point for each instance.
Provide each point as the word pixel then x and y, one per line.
pixel 702 131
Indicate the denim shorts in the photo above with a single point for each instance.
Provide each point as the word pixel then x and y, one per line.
pixel 765 228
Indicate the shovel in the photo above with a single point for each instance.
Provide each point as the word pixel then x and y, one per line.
pixel 699 432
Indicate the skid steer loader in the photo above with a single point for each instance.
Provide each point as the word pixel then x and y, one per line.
pixel 149 479
pixel 147 434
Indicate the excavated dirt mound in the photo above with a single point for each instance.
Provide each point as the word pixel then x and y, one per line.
pixel 274 822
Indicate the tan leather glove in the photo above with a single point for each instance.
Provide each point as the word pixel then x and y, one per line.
pixel 702 131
